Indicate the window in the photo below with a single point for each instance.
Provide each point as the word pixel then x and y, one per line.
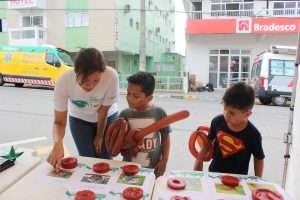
pixel 78 19
pixel 150 5
pixel 16 34
pixel 51 59
pixel 285 7
pixel 29 21
pixel 66 59
pixel 150 35
pixel 289 68
pixel 128 65
pixel 41 34
pixel 131 22
pixel 137 26
pixel 281 67
pixel 278 5
pixel 213 51
pixel 227 66
pixel 3 25
pixel 164 67
pixel 258 69
pixel 232 8
pixel 28 34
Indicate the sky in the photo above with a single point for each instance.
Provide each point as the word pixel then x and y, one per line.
pixel 180 21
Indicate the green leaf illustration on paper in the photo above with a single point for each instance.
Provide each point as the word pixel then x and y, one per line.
pixel 114 169
pixel 69 194
pixel 12 154
pixel 146 170
pixel 80 104
pixel 115 193
pixel 100 196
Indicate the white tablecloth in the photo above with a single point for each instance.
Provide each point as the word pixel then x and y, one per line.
pixel 24 164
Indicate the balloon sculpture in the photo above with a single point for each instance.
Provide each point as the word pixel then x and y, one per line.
pixel 119 139
pixel 200 135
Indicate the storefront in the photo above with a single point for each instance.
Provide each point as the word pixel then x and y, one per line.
pixel 221 51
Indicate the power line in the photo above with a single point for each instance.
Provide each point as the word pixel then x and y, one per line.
pixel 102 9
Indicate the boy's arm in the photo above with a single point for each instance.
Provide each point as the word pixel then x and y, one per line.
pixel 162 164
pixel 165 146
pixel 258 167
pixel 198 165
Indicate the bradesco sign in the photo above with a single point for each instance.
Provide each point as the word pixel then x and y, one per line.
pixel 275 25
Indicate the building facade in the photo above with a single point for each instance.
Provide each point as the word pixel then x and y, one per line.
pixel 111 26
pixel 224 36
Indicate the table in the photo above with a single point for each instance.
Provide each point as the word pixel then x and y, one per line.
pixel 208 186
pixel 29 188
pixel 23 165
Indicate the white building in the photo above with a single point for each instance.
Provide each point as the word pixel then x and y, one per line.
pixel 224 36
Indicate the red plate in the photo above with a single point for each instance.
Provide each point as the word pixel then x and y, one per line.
pixel 69 163
pixel 180 198
pixel 130 169
pixel 101 167
pixel 230 181
pixel 85 195
pixel 133 193
pixel 266 194
pixel 176 183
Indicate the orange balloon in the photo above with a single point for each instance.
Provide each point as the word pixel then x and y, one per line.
pixel 202 139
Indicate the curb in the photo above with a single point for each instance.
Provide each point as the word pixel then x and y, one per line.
pixel 189 97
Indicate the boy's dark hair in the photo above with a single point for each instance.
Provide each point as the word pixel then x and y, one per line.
pixel 240 96
pixel 88 61
pixel 145 80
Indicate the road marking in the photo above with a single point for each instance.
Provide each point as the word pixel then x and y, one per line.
pixel 24 141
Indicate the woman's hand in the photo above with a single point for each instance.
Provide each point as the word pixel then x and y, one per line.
pixel 56 155
pixel 98 144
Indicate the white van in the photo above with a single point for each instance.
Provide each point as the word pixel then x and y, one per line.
pixel 272 75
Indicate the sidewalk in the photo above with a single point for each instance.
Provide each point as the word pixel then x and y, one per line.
pixel 215 96
pixel 206 96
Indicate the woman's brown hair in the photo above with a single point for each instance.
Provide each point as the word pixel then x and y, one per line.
pixel 88 61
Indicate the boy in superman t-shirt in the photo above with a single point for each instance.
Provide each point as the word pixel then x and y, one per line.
pixel 234 137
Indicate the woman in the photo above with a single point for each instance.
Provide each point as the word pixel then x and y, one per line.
pixel 91 88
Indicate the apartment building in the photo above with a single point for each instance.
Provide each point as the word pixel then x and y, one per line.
pixel 224 36
pixel 111 26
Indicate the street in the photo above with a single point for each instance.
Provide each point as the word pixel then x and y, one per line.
pixel 26 116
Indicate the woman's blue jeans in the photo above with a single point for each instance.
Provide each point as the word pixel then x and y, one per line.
pixel 84 132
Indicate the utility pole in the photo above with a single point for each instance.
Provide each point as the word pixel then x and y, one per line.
pixel 142 63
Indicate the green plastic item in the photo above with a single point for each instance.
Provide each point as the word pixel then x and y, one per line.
pixel 12 154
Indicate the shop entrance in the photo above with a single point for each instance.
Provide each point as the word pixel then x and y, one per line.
pixel 228 66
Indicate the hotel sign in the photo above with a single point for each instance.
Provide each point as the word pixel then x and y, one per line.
pixel 19 4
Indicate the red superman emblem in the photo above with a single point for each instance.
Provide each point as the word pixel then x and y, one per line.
pixel 228 144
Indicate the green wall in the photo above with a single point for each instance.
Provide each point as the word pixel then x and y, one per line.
pixel 3 35
pixel 129 37
pixel 76 37
pixel 75 4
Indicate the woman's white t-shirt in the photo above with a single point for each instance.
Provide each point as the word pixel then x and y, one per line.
pixel 82 104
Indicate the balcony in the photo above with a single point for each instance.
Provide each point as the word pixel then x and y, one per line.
pixel 26 4
pixel 227 14
pixel 27 36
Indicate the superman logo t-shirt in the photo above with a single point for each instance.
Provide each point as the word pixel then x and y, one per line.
pixel 233 150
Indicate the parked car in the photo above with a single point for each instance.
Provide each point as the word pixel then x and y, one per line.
pixel 34 65
pixel 272 75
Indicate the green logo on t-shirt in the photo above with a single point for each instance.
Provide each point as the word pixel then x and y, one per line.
pixel 93 102
pixel 80 104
